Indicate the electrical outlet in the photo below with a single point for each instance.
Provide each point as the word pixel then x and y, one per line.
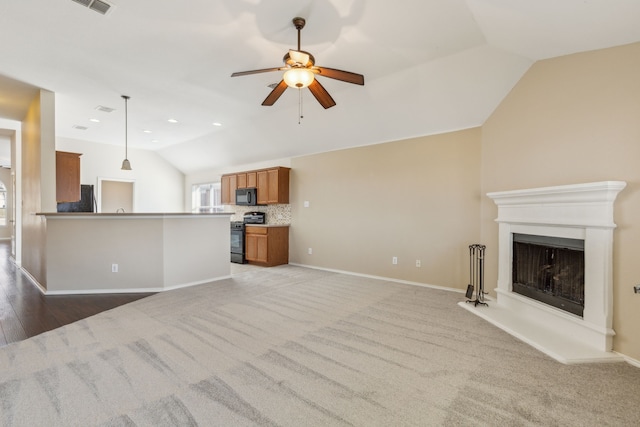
pixel 394 260
pixel 114 268
pixel 310 251
pixel 306 204
pixel 418 263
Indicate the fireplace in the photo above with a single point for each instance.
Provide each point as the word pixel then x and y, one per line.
pixel 573 223
pixel 549 270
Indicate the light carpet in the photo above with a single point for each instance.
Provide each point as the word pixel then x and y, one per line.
pixel 290 346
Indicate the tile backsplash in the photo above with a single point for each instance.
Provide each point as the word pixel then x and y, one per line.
pixel 275 214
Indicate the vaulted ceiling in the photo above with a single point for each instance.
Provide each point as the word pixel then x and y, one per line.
pixel 430 66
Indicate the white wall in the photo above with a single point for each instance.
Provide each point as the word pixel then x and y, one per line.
pixel 5 230
pixel 159 187
pixel 14 130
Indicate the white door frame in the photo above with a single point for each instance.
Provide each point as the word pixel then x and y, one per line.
pixel 99 191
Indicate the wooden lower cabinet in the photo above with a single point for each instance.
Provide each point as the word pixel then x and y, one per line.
pixel 267 246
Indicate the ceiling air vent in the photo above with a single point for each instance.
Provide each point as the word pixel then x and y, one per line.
pixel 105 109
pixel 95 5
pixel 100 6
pixel 80 127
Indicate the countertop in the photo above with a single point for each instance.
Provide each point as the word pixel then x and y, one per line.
pixel 267 225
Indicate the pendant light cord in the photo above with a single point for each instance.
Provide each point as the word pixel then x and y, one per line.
pixel 126 127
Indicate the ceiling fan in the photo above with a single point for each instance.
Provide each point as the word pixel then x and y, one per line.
pixel 301 71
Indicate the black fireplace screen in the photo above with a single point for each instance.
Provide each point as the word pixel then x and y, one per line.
pixel 550 270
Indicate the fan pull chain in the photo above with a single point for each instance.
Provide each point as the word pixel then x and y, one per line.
pixel 300 116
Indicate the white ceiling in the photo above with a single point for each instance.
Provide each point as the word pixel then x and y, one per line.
pixel 430 66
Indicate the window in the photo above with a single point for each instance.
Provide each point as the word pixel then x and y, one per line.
pixel 3 205
pixel 206 198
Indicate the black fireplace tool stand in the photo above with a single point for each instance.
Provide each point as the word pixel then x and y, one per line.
pixel 476 275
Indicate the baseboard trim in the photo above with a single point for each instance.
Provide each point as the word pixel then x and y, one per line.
pixel 389 279
pixel 629 360
pixel 33 280
pixel 200 282
pixel 134 290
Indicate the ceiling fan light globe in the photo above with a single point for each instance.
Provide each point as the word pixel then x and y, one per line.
pixel 298 78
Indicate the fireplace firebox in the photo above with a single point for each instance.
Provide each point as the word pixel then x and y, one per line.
pixel 549 270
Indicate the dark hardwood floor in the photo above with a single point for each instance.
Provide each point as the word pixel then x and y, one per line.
pixel 26 312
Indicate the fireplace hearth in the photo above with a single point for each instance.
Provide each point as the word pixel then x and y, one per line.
pixel 561 301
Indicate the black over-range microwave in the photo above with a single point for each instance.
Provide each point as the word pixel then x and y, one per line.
pixel 246 196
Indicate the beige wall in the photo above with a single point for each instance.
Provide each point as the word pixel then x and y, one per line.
pixel 153 252
pixel 195 248
pixel 115 195
pixel 80 253
pixel 416 199
pixel 569 120
pixel 38 180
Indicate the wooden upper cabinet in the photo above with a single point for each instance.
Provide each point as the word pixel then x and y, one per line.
pixel 272 185
pixel 278 179
pixel 228 186
pixel 241 179
pixel 67 177
pixel 262 187
pixel 252 180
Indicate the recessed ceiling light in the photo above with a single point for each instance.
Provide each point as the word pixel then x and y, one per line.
pixel 172 121
pixel 146 131
pixel 94 120
pixel 217 124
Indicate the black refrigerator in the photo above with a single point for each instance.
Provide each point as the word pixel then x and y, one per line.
pixel 86 204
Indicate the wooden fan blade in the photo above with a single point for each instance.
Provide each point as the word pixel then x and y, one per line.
pixel 264 70
pixel 321 94
pixel 275 94
pixel 345 76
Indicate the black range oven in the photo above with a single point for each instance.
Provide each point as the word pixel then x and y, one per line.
pixel 237 234
pixel 237 242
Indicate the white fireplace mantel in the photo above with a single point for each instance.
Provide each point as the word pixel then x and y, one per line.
pixel 580 211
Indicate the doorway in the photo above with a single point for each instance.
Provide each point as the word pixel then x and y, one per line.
pixel 115 195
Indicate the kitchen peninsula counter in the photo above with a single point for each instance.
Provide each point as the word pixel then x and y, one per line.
pixel 133 252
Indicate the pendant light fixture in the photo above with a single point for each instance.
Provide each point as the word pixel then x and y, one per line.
pixel 126 165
